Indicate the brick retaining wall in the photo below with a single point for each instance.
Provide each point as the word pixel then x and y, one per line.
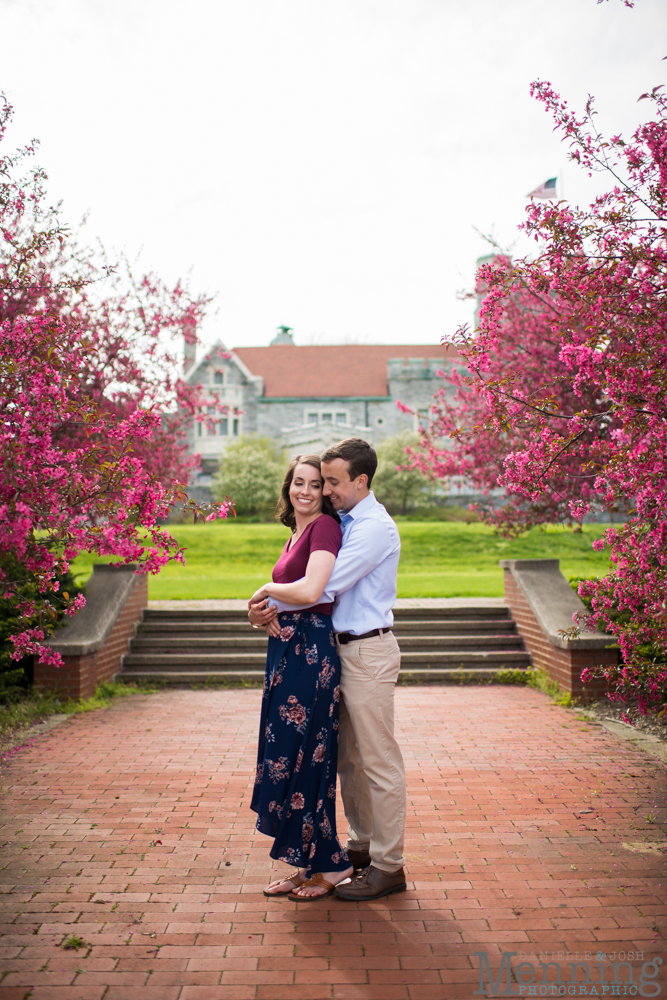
pixel 562 665
pixel 80 675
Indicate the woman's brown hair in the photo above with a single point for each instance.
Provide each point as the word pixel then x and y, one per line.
pixel 284 508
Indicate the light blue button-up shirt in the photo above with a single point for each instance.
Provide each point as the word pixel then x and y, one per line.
pixel 363 581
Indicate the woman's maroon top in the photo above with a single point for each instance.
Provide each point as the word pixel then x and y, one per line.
pixel 324 533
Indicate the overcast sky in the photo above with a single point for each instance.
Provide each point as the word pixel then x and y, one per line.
pixel 318 164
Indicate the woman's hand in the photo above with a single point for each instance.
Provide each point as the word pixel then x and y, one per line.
pixel 259 596
pixel 273 628
pixel 261 613
pixel 264 616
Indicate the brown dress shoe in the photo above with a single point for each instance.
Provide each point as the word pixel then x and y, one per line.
pixel 373 883
pixel 359 859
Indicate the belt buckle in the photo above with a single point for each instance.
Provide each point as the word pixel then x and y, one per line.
pixel 343 638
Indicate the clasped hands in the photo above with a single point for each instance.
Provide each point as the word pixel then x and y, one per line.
pixel 261 613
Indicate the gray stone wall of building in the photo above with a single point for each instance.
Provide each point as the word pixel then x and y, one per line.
pixel 301 425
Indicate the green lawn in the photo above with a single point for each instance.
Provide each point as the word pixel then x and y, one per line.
pixel 438 559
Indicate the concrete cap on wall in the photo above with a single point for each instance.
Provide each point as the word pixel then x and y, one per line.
pixel 553 601
pixel 107 591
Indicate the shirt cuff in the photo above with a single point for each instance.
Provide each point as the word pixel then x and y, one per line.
pixel 280 606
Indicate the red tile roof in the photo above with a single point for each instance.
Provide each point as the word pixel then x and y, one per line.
pixel 339 370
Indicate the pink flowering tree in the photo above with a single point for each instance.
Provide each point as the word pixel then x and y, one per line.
pixel 94 409
pixel 561 394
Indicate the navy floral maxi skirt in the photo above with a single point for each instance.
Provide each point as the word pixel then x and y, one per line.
pixel 295 783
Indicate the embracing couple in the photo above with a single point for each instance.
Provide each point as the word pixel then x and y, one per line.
pixel 331 669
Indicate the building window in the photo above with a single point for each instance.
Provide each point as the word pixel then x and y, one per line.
pixel 236 428
pixel 312 418
pixel 224 427
pixel 218 378
pixel 199 426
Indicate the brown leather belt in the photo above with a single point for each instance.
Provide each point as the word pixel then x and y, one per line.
pixel 345 637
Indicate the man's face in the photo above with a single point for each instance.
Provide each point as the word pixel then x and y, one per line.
pixel 344 493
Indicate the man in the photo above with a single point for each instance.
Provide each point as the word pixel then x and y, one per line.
pixel 363 583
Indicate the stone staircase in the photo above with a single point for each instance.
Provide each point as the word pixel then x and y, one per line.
pixel 459 643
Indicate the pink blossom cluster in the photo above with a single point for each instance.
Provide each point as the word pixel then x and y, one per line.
pixel 94 408
pixel 560 397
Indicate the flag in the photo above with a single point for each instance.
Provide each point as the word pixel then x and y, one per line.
pixel 546 190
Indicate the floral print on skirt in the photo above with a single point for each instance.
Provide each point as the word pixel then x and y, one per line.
pixel 295 783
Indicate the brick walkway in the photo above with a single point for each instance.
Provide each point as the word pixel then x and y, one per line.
pixel 130 829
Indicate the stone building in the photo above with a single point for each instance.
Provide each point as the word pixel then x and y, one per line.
pixel 308 397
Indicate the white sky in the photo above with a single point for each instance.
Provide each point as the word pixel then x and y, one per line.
pixel 316 164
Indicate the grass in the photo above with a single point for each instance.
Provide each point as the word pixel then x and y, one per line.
pixel 33 707
pixel 74 942
pixel 536 678
pixel 438 558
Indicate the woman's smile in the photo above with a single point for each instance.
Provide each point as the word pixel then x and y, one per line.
pixel 305 490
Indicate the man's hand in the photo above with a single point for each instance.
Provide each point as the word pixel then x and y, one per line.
pixel 265 616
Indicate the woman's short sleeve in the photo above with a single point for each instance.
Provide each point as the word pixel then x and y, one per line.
pixel 326 535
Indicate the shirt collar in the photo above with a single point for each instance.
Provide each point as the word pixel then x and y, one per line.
pixel 358 508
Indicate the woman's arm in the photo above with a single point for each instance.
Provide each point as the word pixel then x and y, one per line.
pixel 305 591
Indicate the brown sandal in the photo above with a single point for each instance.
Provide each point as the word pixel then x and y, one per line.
pixel 315 880
pixel 297 881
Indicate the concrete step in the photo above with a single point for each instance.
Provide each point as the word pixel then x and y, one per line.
pixel 408 643
pixel 192 615
pixel 400 614
pixel 419 675
pixel 170 643
pixel 178 627
pixel 232 661
pixel 258 643
pixel 466 658
pixel 455 626
pixel 427 626
pixel 444 644
pixel 137 676
pixel 177 661
pixel 460 611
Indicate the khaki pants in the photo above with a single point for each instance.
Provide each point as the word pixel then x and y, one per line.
pixel 370 764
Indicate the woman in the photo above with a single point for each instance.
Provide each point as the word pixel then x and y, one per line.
pixel 295 784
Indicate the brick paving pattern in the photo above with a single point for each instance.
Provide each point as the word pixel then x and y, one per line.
pixel 129 828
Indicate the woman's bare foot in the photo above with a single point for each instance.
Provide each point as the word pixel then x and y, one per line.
pixel 333 878
pixel 282 886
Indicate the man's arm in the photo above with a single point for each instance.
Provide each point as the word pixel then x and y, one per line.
pixel 367 544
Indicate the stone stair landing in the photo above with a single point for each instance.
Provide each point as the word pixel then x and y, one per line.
pixel 462 641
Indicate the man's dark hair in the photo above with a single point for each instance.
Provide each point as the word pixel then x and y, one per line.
pixel 359 455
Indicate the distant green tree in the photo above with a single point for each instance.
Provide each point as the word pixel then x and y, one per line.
pixel 251 472
pixel 400 490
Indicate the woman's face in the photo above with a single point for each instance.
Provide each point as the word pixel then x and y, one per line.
pixel 305 491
